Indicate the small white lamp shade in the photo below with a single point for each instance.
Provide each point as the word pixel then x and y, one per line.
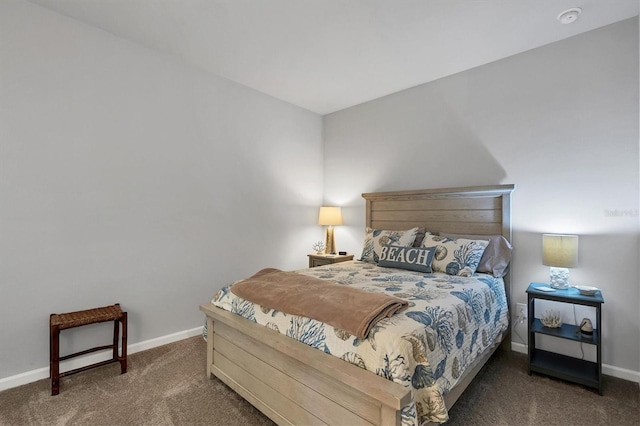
pixel 560 252
pixel 330 216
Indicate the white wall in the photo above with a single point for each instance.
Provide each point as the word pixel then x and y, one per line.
pixel 126 176
pixel 560 122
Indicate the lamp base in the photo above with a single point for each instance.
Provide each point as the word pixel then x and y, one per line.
pixel 559 278
pixel 330 241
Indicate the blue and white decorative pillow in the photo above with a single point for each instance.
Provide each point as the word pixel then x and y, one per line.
pixel 455 256
pixel 409 258
pixel 376 238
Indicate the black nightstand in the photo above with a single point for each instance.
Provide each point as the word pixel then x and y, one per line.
pixel 576 370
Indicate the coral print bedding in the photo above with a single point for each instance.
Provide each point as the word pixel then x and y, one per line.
pixel 427 347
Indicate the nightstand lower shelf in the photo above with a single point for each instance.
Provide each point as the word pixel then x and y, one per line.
pixel 565 331
pixel 565 367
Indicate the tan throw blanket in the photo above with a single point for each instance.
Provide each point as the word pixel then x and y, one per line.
pixel 346 308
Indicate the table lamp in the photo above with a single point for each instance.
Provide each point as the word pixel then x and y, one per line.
pixel 559 252
pixel 330 216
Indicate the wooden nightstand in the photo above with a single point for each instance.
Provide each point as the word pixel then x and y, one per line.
pixel 327 259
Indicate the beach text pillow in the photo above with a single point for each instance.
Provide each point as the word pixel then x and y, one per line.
pixel 410 258
pixel 376 238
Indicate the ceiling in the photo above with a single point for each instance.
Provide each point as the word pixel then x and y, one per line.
pixel 327 55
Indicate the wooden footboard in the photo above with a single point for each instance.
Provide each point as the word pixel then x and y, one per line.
pixel 293 383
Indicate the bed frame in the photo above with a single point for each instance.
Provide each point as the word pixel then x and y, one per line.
pixel 295 384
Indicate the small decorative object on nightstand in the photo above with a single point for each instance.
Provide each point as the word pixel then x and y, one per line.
pixel 551 319
pixel 327 259
pixel 318 247
pixel 576 370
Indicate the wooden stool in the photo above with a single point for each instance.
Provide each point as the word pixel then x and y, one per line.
pixel 59 322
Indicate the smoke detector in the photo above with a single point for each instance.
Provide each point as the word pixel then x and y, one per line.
pixel 569 16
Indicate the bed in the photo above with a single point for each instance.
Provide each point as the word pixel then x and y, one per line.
pixel 294 383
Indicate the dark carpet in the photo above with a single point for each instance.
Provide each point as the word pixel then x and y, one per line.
pixel 167 386
pixel 504 394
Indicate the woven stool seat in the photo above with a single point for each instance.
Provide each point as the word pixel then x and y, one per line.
pixel 58 322
pixel 89 316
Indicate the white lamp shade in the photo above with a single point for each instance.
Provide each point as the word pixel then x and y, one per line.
pixel 560 251
pixel 330 216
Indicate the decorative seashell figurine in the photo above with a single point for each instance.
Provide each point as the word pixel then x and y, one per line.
pixel 318 247
pixel 551 319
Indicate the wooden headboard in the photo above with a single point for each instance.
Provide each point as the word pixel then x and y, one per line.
pixel 478 210
pixel 482 210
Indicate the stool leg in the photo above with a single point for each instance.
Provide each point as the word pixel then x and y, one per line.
pixel 116 338
pixel 54 358
pixel 123 360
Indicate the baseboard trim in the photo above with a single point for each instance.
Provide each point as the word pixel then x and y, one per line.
pixel 43 373
pixel 519 347
pixel 609 370
pixel 621 373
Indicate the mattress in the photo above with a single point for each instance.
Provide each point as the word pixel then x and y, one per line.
pixel 450 321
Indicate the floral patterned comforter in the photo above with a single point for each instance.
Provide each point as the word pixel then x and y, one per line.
pixel 449 322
